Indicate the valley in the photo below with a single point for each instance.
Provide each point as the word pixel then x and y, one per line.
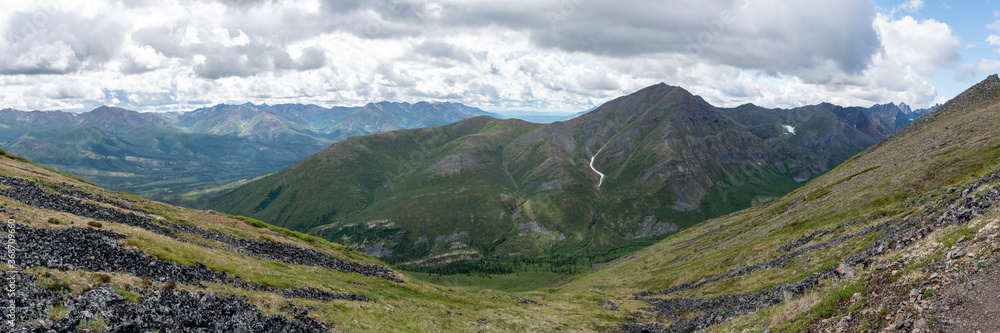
pixel 854 249
pixel 665 160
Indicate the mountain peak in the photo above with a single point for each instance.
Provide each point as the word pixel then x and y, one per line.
pixel 659 90
pixel 104 109
pixel 905 108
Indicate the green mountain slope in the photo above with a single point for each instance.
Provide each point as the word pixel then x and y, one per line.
pixel 509 189
pixel 858 249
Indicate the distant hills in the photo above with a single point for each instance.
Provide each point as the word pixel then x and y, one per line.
pixel 167 155
pixel 510 189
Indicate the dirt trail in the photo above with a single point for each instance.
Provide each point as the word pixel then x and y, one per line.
pixel 974 300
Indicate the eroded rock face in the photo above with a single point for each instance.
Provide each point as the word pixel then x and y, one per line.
pixel 534 228
pixel 421 240
pixel 550 186
pixel 455 163
pixel 651 228
pixel 451 238
pixel 379 250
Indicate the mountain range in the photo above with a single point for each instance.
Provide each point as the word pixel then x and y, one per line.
pixel 635 169
pixel 903 236
pixel 168 155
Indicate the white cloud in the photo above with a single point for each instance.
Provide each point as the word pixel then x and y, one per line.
pixel 927 45
pixel 912 5
pixel 970 72
pixel 994 39
pixel 988 66
pixel 966 73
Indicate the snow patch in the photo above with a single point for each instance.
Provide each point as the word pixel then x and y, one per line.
pixel 790 129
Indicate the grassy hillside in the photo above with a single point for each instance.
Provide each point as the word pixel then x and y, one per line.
pixel 385 173
pixel 877 226
pixel 93 259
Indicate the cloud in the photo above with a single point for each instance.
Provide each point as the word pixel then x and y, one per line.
pixel 312 58
pixel 443 50
pixel 57 42
pixel 994 39
pixel 912 5
pixel 988 66
pixel 566 55
pixel 927 45
pixel 140 59
pixel 966 73
pixel 767 35
pixel 596 80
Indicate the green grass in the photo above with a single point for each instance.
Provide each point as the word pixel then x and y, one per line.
pixel 130 296
pixel 956 235
pixel 93 325
pixel 55 284
pixel 516 282
pixel 250 221
pixel 823 191
pixel 828 306
pixel 22 159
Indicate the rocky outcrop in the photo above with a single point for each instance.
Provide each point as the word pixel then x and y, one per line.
pixel 98 251
pixel 379 249
pixel 165 311
pixel 451 238
pixel 28 192
pixel 455 163
pixel 651 228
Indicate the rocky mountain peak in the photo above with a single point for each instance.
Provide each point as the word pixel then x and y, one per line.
pixel 904 108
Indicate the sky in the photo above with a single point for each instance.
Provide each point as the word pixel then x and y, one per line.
pixel 524 55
